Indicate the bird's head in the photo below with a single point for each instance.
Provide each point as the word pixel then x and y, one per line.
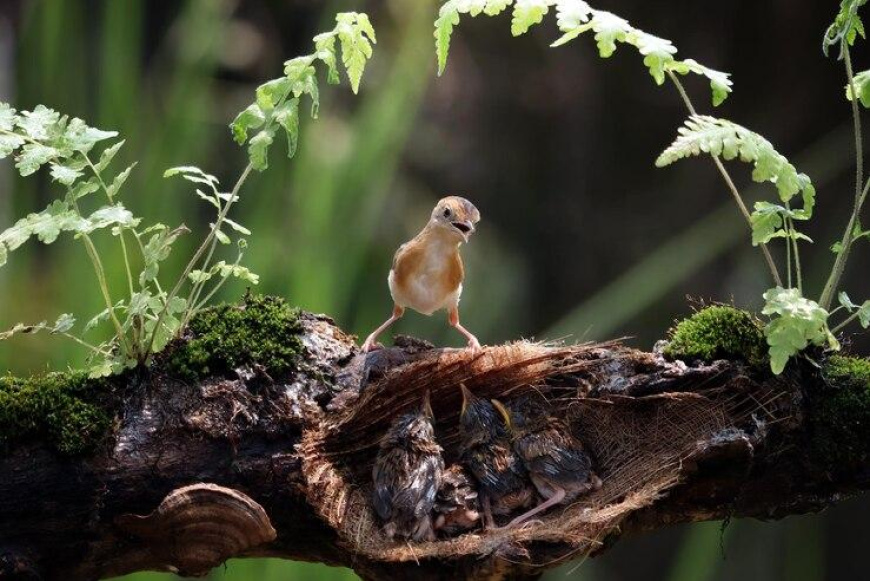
pixel 456 217
pixel 523 415
pixel 415 426
pixel 478 415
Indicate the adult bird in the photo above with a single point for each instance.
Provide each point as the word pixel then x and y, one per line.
pixel 485 449
pixel 557 464
pixel 427 271
pixel 407 475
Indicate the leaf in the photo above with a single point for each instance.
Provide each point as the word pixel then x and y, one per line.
pixel 79 137
pixel 448 18
pixel 325 47
pixel 119 180
pixel 33 156
pixel 766 221
pixel 796 322
pixel 251 118
pixel 64 174
pixel 722 138
pixel 176 305
pixel 199 276
pixel 270 94
pixel 82 189
pixel 237 227
pixel 37 123
pixel 156 250
pixel 63 325
pixel 356 37
pixel 846 27
pixel 609 29
pixel 657 53
pixel 287 116
pixel 258 150
pixel 236 271
pixel 862 86
pixel 8 118
pixel 528 13
pixel 46 226
pixel 222 238
pixel 570 14
pixel 9 143
pixel 108 155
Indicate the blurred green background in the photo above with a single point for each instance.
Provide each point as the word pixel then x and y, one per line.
pixel 581 236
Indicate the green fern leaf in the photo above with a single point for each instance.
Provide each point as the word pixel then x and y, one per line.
pixel 8 118
pixel 528 13
pixel 720 83
pixel 847 27
pixel 356 37
pixel 251 118
pixel 862 86
pixel 258 149
pixel 325 46
pixel 287 116
pixel 448 17
pixel 657 53
pixel 571 14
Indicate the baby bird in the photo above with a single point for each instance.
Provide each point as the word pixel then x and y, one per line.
pixel 427 271
pixel 486 451
pixel 407 475
pixel 558 465
pixel 456 505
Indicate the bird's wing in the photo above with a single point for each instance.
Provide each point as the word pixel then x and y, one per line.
pixel 416 496
pixel 383 492
pixel 555 457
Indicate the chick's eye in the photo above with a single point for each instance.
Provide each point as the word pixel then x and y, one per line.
pixel 447 212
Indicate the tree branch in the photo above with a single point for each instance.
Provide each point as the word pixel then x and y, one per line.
pixel 257 465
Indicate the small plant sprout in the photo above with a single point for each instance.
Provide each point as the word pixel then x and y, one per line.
pixel 78 157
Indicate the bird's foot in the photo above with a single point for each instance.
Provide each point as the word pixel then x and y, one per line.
pixel 370 346
pixel 474 345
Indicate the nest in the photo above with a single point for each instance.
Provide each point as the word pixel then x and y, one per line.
pixel 642 445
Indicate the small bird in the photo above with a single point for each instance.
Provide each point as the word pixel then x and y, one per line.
pixel 558 465
pixel 427 271
pixel 407 475
pixel 457 506
pixel 485 449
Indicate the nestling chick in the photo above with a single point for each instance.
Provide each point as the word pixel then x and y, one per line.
pixel 456 505
pixel 558 465
pixel 486 451
pixel 407 475
pixel 427 271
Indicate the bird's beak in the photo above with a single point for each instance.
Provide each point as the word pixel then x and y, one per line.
pixel 427 407
pixel 504 413
pixel 466 397
pixel 465 228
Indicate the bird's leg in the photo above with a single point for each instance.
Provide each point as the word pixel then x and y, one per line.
pixel 370 340
pixel 557 497
pixel 453 318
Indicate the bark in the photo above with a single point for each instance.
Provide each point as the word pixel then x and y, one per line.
pixel 241 443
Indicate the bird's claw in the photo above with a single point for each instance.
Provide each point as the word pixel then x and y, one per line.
pixel 370 346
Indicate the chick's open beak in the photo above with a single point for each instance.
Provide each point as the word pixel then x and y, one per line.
pixel 504 413
pixel 466 228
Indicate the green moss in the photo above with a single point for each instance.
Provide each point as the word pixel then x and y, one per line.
pixel 840 415
pixel 719 332
pixel 262 330
pixel 66 410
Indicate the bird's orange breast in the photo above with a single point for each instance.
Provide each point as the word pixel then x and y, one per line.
pixel 427 275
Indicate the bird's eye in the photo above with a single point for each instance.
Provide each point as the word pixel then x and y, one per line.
pixel 447 212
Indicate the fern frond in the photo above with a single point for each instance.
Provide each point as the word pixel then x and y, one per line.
pixel 574 17
pixel 722 138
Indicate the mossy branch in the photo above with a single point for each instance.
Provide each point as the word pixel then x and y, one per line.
pixel 268 417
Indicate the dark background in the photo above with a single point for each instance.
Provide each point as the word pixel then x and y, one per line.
pixel 581 235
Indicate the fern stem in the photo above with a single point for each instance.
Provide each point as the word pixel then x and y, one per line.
pixel 839 268
pixel 137 340
pixel 845 322
pixel 198 254
pixel 729 182
pixel 83 343
pixel 788 279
